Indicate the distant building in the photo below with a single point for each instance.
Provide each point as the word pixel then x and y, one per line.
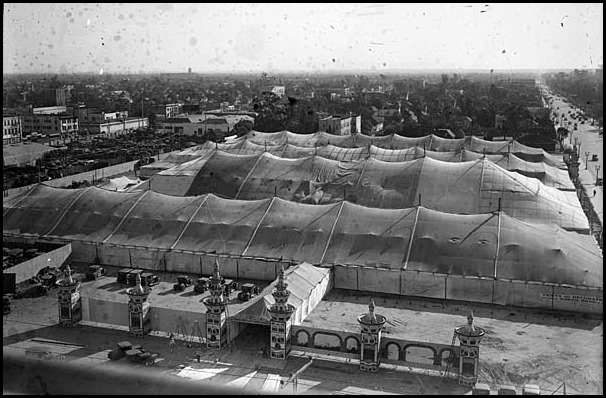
pixel 198 125
pixel 49 97
pixel 341 125
pixel 11 129
pixel 280 91
pixel 166 111
pixel 49 110
pixel 59 126
pixel 377 123
pixel 93 121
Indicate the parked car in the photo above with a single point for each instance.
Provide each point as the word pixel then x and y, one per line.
pixel 249 290
pixel 202 285
pixel 182 282
pixel 149 279
pixel 131 278
pixel 229 286
pixel 123 274
pixel 94 272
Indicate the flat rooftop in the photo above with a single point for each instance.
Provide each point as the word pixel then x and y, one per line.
pixel 162 295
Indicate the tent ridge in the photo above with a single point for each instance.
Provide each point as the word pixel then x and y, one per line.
pixel 332 230
pixel 252 237
pixel 124 217
pixel 412 235
pixel 189 222
pixel 65 211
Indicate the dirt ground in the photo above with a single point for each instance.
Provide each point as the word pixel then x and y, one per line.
pixel 519 347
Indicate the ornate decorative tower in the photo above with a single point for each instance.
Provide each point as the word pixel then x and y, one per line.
pixel 469 337
pixel 216 316
pixel 70 302
pixel 280 313
pixel 139 314
pixel 371 324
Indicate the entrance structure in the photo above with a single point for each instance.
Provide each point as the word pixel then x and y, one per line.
pixel 469 337
pixel 371 324
pixel 139 311
pixel 216 316
pixel 281 324
pixel 70 302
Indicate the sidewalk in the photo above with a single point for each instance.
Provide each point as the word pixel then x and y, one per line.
pixel 588 181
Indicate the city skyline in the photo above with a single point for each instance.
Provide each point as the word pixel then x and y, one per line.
pixel 252 38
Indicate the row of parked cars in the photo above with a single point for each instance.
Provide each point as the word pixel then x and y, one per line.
pixel 202 284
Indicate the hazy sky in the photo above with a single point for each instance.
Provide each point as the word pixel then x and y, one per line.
pixel 122 37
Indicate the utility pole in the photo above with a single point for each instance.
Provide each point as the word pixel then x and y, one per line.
pixel 586 158
pixel 295 376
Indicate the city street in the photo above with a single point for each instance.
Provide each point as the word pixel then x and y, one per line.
pixel 591 143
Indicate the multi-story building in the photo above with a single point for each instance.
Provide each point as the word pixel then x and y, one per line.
pixel 341 125
pixel 60 126
pixel 49 97
pixel 11 129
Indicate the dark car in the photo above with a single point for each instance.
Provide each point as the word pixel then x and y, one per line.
pixel 94 272
pixel 131 278
pixel 122 275
pixel 149 279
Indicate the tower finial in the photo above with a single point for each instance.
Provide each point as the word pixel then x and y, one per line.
pixel 68 275
pixel 216 274
pixel 138 286
pixel 281 284
pixel 470 320
pixel 371 309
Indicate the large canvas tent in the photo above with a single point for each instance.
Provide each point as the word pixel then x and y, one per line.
pixel 490 257
pixel 287 144
pixel 471 187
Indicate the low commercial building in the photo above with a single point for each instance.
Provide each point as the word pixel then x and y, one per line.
pixel 199 125
pixel 93 121
pixel 11 129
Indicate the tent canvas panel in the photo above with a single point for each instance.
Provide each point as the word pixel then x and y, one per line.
pixel 84 252
pixel 520 294
pixel 114 255
pixel 568 298
pixel 180 262
pixel 256 269
pixel 423 284
pixel 469 289
pixel 379 280
pixel 345 277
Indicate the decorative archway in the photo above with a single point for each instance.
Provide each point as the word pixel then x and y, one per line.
pixel 352 344
pixel 419 353
pixel 302 338
pixel 393 351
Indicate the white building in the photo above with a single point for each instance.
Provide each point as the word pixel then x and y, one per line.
pixel 341 125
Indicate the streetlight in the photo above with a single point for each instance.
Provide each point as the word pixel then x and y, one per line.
pixel 597 171
pixel 586 158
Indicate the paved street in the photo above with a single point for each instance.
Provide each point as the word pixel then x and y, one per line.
pixel 591 143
